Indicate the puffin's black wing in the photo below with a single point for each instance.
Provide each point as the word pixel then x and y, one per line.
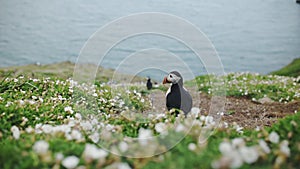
pixel 186 101
pixel 179 98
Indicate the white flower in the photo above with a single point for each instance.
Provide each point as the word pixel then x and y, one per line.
pixel 249 154
pixel 15 132
pixel 202 118
pixel 123 166
pixel 21 102
pixel 209 120
pixel 159 116
pixel 8 104
pixel 195 112
pixel 144 135
pixel 238 142
pixel 76 135
pixel 160 127
pixel 40 147
pixel 41 99
pixel 123 146
pixel 239 129
pixel 69 109
pixel 264 146
pixel 38 128
pixel 59 156
pixel 86 125
pixel 109 127
pixel 236 159
pixel 78 116
pixel 47 128
pixel 95 137
pixel 29 129
pixel 31 102
pixel 179 128
pixel 225 148
pixel 284 148
pixel 274 137
pixel 92 152
pixel 118 165
pixel 70 162
pixel 192 146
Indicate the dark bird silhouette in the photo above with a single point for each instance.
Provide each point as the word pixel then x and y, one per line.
pixel 177 96
pixel 149 84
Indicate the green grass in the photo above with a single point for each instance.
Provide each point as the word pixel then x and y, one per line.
pixel 250 85
pixel 293 69
pixel 69 109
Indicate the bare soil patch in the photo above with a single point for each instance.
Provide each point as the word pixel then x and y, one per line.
pixel 249 114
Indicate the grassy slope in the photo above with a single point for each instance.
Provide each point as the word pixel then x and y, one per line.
pixel 62 70
pixel 292 69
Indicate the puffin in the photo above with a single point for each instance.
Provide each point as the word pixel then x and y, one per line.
pixel 177 96
pixel 149 84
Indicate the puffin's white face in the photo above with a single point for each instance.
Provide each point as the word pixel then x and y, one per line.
pixel 173 78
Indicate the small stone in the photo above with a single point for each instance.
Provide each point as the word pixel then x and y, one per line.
pixel 264 100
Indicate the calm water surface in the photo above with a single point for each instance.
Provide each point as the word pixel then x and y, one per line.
pixel 257 35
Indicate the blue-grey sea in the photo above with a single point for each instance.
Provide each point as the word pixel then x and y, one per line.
pixel 249 35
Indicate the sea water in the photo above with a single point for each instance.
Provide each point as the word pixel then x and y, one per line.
pixel 256 36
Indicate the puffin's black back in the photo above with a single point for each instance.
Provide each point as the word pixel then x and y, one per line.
pixel 149 84
pixel 179 98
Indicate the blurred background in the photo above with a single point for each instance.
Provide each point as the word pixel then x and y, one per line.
pixel 257 36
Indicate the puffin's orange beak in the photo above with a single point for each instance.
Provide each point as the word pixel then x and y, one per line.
pixel 165 80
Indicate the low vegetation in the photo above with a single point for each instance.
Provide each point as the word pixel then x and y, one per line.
pixel 293 69
pixel 55 123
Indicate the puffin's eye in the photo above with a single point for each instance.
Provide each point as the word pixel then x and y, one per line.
pixel 171 76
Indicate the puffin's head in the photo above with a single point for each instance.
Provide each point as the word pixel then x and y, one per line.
pixel 173 77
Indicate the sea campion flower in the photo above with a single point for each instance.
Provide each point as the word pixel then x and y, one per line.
pixel 144 135
pixel 119 165
pixel 236 159
pixel 192 147
pixel 180 128
pixel 160 128
pixel 69 109
pixel 123 146
pixel 46 128
pixel 95 137
pixel 274 137
pixel 40 147
pixel 59 157
pixel 249 154
pixel 238 142
pixel 284 148
pixel 93 153
pixel 76 135
pixel 70 162
pixel 29 129
pixel 15 132
pixel 225 148
pixel 86 125
pixel 123 166
pixel 195 112
pixel 264 146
